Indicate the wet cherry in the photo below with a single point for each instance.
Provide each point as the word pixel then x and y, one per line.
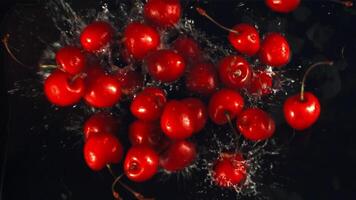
pixel 70 59
pixel 62 89
pixel 178 156
pixel 130 81
pixel 148 104
pixel 102 149
pixel 261 83
pixel 275 50
pixel 235 72
pixel 225 102
pixel 165 65
pixel 141 163
pixel 140 39
pixel 282 6
pixel 188 48
pixel 229 170
pixel 198 112
pixel 100 123
pixel 96 36
pixel 162 13
pixel 202 79
pixel 245 40
pixel 255 124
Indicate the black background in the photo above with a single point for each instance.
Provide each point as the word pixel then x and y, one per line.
pixel 43 163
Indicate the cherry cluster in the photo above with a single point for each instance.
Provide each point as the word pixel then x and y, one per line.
pixel 160 134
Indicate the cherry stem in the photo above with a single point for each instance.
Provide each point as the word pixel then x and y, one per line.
pixel 347 4
pixel 5 41
pixel 203 13
pixel 329 63
pixel 229 121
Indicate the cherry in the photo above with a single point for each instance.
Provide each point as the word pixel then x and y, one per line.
pixel 141 163
pixel 163 13
pixel 246 40
pixel 198 112
pixel 103 91
pixel 202 79
pixel 140 39
pixel 71 60
pixel 282 6
pixel 261 83
pixel 235 72
pixel 102 149
pixel 230 170
pixel 130 81
pixel 165 65
pixel 188 48
pixel 302 110
pixel 62 89
pixel 96 36
pixel 100 123
pixel 147 133
pixel 255 124
pixel 225 105
pixel 275 50
pixel 178 156
pixel 148 104
pixel 177 122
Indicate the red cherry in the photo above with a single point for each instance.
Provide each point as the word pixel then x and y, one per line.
pixel 148 104
pixel 147 133
pixel 202 79
pixel 179 155
pixel 141 163
pixel 261 83
pixel 255 124
pixel 100 123
pixel 163 13
pixel 96 36
pixel 61 90
pixel 275 50
pixel 225 102
pixel 140 39
pixel 103 91
pixel 198 112
pixel 188 48
pixel 301 114
pixel 282 6
pixel 177 122
pixel 165 65
pixel 235 72
pixel 230 170
pixel 246 40
pixel 102 149
pixel 70 59
pixel 130 82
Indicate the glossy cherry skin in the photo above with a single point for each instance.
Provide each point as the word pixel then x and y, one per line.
pixel 235 72
pixel 148 104
pixel 225 101
pixel 230 170
pixel 162 13
pixel 140 39
pixel 282 6
pixel 70 59
pixel 165 65
pixel 247 41
pixel 102 149
pixel 255 124
pixel 300 114
pixel 177 122
pixel 141 163
pixel 96 36
pixel 202 79
pixel 61 90
pixel 103 91
pixel 178 156
pixel 147 133
pixel 100 123
pixel 188 48
pixel 275 50
pixel 261 83
pixel 198 112
pixel 130 81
